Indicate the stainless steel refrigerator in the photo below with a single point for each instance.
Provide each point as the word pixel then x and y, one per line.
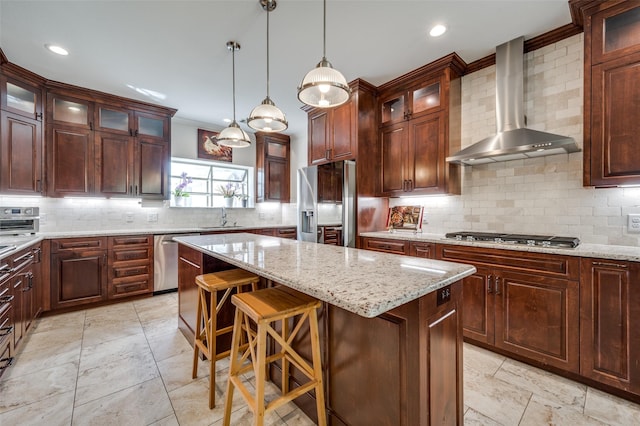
pixel 326 197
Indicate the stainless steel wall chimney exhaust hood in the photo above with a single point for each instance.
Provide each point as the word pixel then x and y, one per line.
pixel 513 140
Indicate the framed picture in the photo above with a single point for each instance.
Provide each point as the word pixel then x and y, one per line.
pixel 407 218
pixel 208 148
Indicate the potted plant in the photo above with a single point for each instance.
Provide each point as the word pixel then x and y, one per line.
pixel 180 193
pixel 228 191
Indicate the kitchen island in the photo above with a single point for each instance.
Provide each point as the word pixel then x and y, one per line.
pixel 391 326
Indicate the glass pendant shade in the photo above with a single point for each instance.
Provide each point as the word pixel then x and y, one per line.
pixel 324 87
pixel 233 136
pixel 267 117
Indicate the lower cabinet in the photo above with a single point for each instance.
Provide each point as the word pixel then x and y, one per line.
pixel 130 265
pixel 610 340
pixel 521 302
pixel 78 271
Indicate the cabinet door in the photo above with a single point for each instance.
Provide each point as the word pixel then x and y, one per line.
pixel 609 307
pixel 319 131
pixel 276 173
pixel 615 32
pixel 17 285
pixel 189 267
pixel 615 124
pixel 70 159
pixel 78 277
pixel 344 139
pixel 21 98
pixel 393 140
pixel 20 154
pixel 151 168
pixel 424 250
pixel 150 125
pixel 478 306
pixel 272 167
pixel 426 154
pixel 393 108
pixel 114 165
pixel 69 111
pixel 385 245
pixel 425 99
pixel 114 120
pixel 538 317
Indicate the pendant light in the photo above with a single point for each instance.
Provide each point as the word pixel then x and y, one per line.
pixel 233 136
pixel 324 86
pixel 267 117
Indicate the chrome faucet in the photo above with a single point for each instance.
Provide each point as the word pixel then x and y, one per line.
pixel 223 217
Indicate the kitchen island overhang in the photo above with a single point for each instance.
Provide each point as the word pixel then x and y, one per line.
pixel 364 282
pixel 391 326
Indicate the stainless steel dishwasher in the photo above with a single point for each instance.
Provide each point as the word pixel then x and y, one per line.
pixel 165 262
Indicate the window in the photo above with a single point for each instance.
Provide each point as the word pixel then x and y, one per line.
pixel 204 183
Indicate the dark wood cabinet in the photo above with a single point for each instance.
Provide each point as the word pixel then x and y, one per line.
pixel 78 271
pixel 420 126
pixel 21 139
pixel 6 316
pixel 120 149
pixel 612 87
pixel 524 303
pixel 332 133
pixel 130 265
pixel 273 167
pixel 289 233
pixel 609 338
pixel 422 249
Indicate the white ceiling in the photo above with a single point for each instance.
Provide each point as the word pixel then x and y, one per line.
pixel 178 47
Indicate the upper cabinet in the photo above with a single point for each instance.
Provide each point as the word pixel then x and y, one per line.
pixel 348 132
pixel 419 127
pixel 121 148
pixel 612 88
pixel 272 167
pixel 21 164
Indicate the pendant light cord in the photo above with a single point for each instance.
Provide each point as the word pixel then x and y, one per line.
pixel 268 12
pixel 233 70
pixel 324 32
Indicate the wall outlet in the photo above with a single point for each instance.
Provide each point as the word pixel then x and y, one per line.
pixel 128 217
pixel 633 223
pixel 152 217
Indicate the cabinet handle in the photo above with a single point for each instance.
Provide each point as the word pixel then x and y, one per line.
pixel 130 132
pixel 6 331
pixel 6 299
pixel 38 185
pixel 498 291
pixel 91 125
pixel 489 278
pixel 136 133
pixel 614 265
pixel 38 116
pixel 410 184
pixel 136 189
pixel 130 189
pixel 7 362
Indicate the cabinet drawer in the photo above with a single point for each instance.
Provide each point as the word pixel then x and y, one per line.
pixel 129 240
pixel 124 288
pixel 387 246
pixel 291 233
pixel 5 355
pixel 78 244
pixel 6 326
pixel 129 271
pixel 138 254
pixel 548 264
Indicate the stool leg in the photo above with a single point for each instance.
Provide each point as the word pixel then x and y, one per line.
pixel 194 369
pixel 317 367
pixel 260 368
pixel 234 365
pixel 211 346
pixel 285 361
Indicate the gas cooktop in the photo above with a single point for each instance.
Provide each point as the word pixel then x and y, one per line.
pixel 524 239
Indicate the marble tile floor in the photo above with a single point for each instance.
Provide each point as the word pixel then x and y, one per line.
pixel 127 364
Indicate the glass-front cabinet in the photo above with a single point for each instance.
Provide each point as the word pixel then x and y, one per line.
pixel 412 103
pixel 616 32
pixel 21 98
pixel 134 123
pixel 70 111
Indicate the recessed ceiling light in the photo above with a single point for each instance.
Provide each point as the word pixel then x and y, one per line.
pixel 437 30
pixel 56 49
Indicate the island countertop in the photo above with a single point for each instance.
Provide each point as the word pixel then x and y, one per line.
pixel 364 282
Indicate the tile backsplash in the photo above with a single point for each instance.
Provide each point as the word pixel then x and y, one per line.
pixel 539 195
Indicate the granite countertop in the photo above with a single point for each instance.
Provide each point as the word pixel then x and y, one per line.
pixel 364 282
pixel 603 251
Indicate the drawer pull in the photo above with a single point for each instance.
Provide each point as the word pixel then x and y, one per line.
pixel 613 265
pixel 6 299
pixel 5 331
pixel 7 362
pixel 498 291
pixel 489 289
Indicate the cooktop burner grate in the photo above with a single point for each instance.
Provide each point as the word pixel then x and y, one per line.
pixel 524 239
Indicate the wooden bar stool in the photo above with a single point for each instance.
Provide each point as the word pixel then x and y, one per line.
pixel 265 307
pixel 206 318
